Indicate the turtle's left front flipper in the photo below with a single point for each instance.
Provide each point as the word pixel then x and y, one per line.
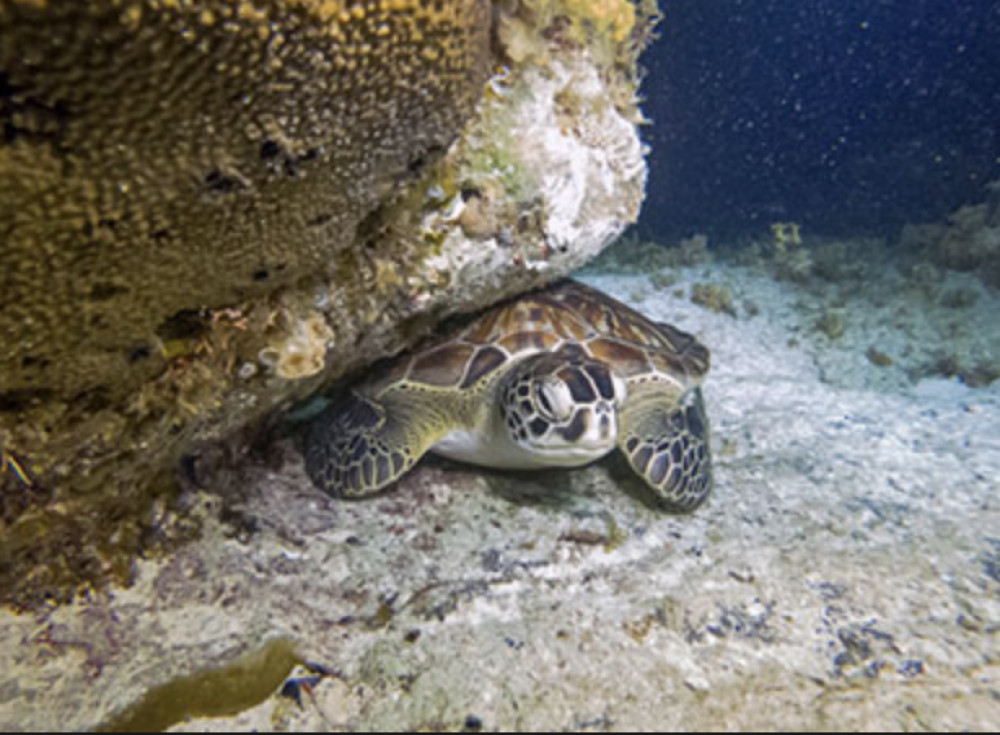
pixel 666 442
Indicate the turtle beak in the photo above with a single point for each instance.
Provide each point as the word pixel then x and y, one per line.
pixel 591 427
pixel 604 427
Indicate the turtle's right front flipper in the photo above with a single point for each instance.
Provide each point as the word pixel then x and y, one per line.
pixel 357 448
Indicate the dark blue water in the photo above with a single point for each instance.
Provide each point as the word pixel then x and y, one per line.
pixel 844 115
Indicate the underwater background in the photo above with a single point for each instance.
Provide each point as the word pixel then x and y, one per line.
pixel 849 117
pixel 822 211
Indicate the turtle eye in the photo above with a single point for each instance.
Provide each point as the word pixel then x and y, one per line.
pixel 554 400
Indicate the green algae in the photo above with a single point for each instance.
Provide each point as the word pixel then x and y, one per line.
pixel 227 690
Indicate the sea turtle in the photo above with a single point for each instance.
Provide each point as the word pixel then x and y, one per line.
pixel 555 378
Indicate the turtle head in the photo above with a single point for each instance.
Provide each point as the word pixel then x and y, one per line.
pixel 563 408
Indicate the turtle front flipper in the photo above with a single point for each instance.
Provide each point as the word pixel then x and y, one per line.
pixel 357 447
pixel 666 443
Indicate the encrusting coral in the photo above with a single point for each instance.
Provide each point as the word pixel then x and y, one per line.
pixel 166 164
pixel 164 155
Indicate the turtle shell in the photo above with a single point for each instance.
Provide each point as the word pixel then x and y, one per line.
pixel 567 316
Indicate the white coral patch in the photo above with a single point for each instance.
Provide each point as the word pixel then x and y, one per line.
pixel 586 164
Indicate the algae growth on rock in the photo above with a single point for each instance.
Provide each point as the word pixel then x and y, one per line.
pixel 212 210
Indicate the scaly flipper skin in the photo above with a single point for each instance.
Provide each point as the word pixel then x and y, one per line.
pixel 666 443
pixel 357 447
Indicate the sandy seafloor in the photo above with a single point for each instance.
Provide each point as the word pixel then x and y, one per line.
pixel 845 573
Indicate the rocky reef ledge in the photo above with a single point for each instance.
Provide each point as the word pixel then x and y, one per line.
pixel 212 210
